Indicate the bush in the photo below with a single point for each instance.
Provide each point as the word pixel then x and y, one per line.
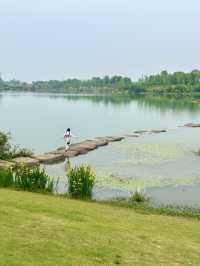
pixel 138 197
pixel 20 152
pixel 80 181
pixel 7 152
pixel 4 146
pixel 33 179
pixel 6 178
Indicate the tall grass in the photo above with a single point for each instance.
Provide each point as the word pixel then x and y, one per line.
pixel 26 178
pixel 6 178
pixel 80 181
pixel 33 179
pixel 138 197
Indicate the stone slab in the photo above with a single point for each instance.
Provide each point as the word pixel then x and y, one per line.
pixel 158 131
pixel 6 165
pixel 27 161
pixel 132 135
pixel 192 125
pixel 49 158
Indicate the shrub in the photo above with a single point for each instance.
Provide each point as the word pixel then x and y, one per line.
pixel 6 178
pixel 4 146
pixel 80 181
pixel 20 152
pixel 7 151
pixel 33 179
pixel 138 197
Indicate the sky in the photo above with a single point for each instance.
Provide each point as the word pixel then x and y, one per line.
pixel 49 39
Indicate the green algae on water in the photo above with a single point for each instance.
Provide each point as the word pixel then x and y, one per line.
pixel 131 184
pixel 147 153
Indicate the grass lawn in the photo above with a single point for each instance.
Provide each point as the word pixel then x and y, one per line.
pixel 37 229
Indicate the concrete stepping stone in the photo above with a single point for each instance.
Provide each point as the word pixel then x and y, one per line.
pixel 27 161
pixel 192 125
pixel 4 165
pixel 83 146
pixel 50 158
pixel 65 153
pixel 131 135
pixel 158 131
pixel 70 153
pixel 111 138
pixel 141 131
pixel 60 148
pixel 101 142
pixel 60 151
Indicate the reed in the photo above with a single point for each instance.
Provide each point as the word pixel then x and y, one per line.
pixel 80 181
pixel 138 197
pixel 6 178
pixel 25 178
pixel 33 179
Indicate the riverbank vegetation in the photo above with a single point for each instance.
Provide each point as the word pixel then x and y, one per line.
pixel 7 151
pixel 80 183
pixel 26 178
pixel 41 229
pixel 164 82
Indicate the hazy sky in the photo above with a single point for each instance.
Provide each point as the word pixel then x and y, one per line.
pixel 49 39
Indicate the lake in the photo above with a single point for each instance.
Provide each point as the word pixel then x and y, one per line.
pixel 159 163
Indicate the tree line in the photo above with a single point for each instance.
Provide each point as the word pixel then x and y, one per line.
pixel 164 82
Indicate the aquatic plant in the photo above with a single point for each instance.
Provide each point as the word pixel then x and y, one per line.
pixel 6 178
pixel 33 179
pixel 80 181
pixel 26 178
pixel 114 181
pixel 138 197
pixel 171 210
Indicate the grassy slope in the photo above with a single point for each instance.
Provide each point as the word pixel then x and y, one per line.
pixel 37 229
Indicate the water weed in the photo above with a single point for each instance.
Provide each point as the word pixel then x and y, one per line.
pixel 6 178
pixel 80 181
pixel 138 197
pixel 33 179
pixel 25 178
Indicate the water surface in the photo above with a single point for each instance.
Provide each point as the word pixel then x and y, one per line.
pixel 37 121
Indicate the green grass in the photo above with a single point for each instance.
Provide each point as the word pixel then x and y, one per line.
pixel 38 229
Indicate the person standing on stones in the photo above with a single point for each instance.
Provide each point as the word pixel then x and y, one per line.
pixel 67 138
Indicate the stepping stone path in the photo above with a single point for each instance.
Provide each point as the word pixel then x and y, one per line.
pixel 83 147
pixel 49 158
pixel 76 149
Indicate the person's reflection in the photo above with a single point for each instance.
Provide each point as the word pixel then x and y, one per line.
pixel 67 164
